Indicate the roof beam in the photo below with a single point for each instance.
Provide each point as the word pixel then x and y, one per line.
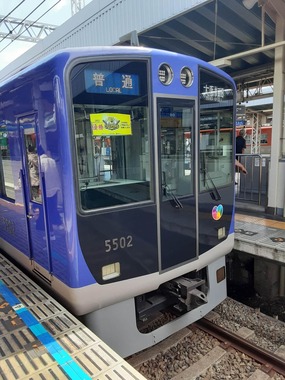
pixel 187 40
pixel 251 18
pixel 203 31
pixel 260 49
pixel 227 26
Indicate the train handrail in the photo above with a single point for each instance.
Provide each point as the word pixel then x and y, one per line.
pixel 247 187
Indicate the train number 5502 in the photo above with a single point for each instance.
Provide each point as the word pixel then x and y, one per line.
pixel 116 243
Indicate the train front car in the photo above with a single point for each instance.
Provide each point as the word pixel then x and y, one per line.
pixel 155 189
pixel 128 215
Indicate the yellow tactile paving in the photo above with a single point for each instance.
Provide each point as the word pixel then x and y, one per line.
pixel 263 222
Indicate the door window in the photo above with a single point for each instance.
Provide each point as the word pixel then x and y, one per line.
pixel 32 162
pixel 176 119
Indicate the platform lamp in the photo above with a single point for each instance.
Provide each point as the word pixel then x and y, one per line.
pixel 249 3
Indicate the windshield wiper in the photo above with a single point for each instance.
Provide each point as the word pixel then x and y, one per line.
pixel 167 192
pixel 215 195
pixel 214 191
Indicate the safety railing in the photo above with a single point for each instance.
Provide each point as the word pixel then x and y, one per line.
pixel 252 187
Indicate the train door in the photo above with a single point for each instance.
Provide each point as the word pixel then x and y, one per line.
pixel 177 228
pixel 32 186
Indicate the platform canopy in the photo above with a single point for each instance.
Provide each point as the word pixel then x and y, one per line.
pixel 236 35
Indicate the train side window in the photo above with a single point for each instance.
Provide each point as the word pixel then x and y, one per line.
pixel 216 131
pixel 30 145
pixel 111 121
pixel 6 172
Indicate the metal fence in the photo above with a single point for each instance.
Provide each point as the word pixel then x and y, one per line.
pixel 253 186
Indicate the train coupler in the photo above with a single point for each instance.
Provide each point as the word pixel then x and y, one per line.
pixel 189 292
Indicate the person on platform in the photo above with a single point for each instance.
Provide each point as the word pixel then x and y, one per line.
pixel 240 142
pixel 240 148
pixel 240 166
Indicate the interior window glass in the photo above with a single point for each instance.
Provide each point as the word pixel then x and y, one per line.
pixel 216 131
pixel 110 106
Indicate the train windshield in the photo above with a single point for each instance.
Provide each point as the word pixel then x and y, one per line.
pixel 110 105
pixel 216 131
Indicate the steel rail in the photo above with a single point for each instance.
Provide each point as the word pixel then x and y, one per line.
pixel 269 360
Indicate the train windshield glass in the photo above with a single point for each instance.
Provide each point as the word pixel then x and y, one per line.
pixel 110 105
pixel 216 131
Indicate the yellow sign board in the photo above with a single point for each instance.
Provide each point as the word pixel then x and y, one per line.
pixel 106 124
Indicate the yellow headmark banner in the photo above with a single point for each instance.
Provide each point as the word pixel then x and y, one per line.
pixel 106 124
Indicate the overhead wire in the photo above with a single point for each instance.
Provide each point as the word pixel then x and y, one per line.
pixel 3 19
pixel 11 31
pixel 30 24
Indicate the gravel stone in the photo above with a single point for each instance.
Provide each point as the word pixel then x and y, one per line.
pixel 268 333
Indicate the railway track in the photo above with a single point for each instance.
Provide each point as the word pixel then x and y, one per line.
pixel 225 349
pixel 270 362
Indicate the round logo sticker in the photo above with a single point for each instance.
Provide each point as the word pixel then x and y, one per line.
pixel 217 212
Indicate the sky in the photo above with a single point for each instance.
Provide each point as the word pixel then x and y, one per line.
pixel 55 16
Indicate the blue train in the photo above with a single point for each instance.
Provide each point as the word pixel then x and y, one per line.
pixel 117 186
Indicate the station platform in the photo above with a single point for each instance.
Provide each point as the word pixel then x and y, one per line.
pixel 39 339
pixel 260 236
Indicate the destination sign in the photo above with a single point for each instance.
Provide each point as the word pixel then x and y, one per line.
pixel 108 82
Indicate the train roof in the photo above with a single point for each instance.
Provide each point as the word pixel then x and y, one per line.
pixel 68 54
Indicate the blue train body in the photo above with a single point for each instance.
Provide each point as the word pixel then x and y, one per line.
pixel 117 185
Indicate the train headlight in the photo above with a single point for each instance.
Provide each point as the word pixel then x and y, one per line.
pixel 221 233
pixel 111 271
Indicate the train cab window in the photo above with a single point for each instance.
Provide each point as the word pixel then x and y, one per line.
pixel 111 117
pixel 216 131
pixel 6 174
